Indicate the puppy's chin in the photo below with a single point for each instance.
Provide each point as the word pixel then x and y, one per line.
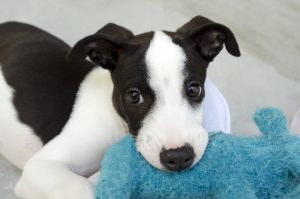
pixel 200 145
pixel 150 147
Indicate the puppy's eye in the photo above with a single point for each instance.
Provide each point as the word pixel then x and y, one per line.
pixel 134 96
pixel 193 90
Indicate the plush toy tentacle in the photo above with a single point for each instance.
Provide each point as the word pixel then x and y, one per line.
pixel 271 121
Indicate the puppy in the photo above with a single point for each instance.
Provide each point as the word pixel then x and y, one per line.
pixel 59 112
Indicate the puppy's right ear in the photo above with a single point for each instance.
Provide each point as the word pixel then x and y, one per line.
pixel 104 47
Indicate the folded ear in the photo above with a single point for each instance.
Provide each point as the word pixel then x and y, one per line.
pixel 104 47
pixel 208 37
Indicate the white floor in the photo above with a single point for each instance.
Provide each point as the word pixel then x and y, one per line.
pixel 268 73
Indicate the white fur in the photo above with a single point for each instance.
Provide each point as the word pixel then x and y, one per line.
pixel 55 171
pixel 172 122
pixel 17 140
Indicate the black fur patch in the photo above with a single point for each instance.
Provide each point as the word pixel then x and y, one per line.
pixel 34 64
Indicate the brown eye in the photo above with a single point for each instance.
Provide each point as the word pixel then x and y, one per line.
pixel 193 90
pixel 134 96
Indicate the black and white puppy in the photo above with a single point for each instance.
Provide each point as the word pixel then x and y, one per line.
pixel 60 112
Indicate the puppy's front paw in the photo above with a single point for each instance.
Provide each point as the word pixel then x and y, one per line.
pixel 79 188
pixel 73 187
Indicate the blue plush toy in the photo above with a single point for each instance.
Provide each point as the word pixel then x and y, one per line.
pixel 232 167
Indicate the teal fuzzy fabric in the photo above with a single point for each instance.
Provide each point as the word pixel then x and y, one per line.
pixel 232 167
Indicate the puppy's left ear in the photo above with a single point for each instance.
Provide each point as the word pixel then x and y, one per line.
pixel 208 37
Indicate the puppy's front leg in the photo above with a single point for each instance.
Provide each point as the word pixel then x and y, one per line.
pixel 60 169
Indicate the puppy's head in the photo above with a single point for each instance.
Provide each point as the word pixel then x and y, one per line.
pixel 159 84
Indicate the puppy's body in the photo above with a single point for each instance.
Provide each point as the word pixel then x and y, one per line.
pixel 41 85
pixel 68 111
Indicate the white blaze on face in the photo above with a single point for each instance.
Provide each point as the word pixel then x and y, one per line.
pixel 172 122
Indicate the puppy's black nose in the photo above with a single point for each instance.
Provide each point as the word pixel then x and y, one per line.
pixel 177 159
